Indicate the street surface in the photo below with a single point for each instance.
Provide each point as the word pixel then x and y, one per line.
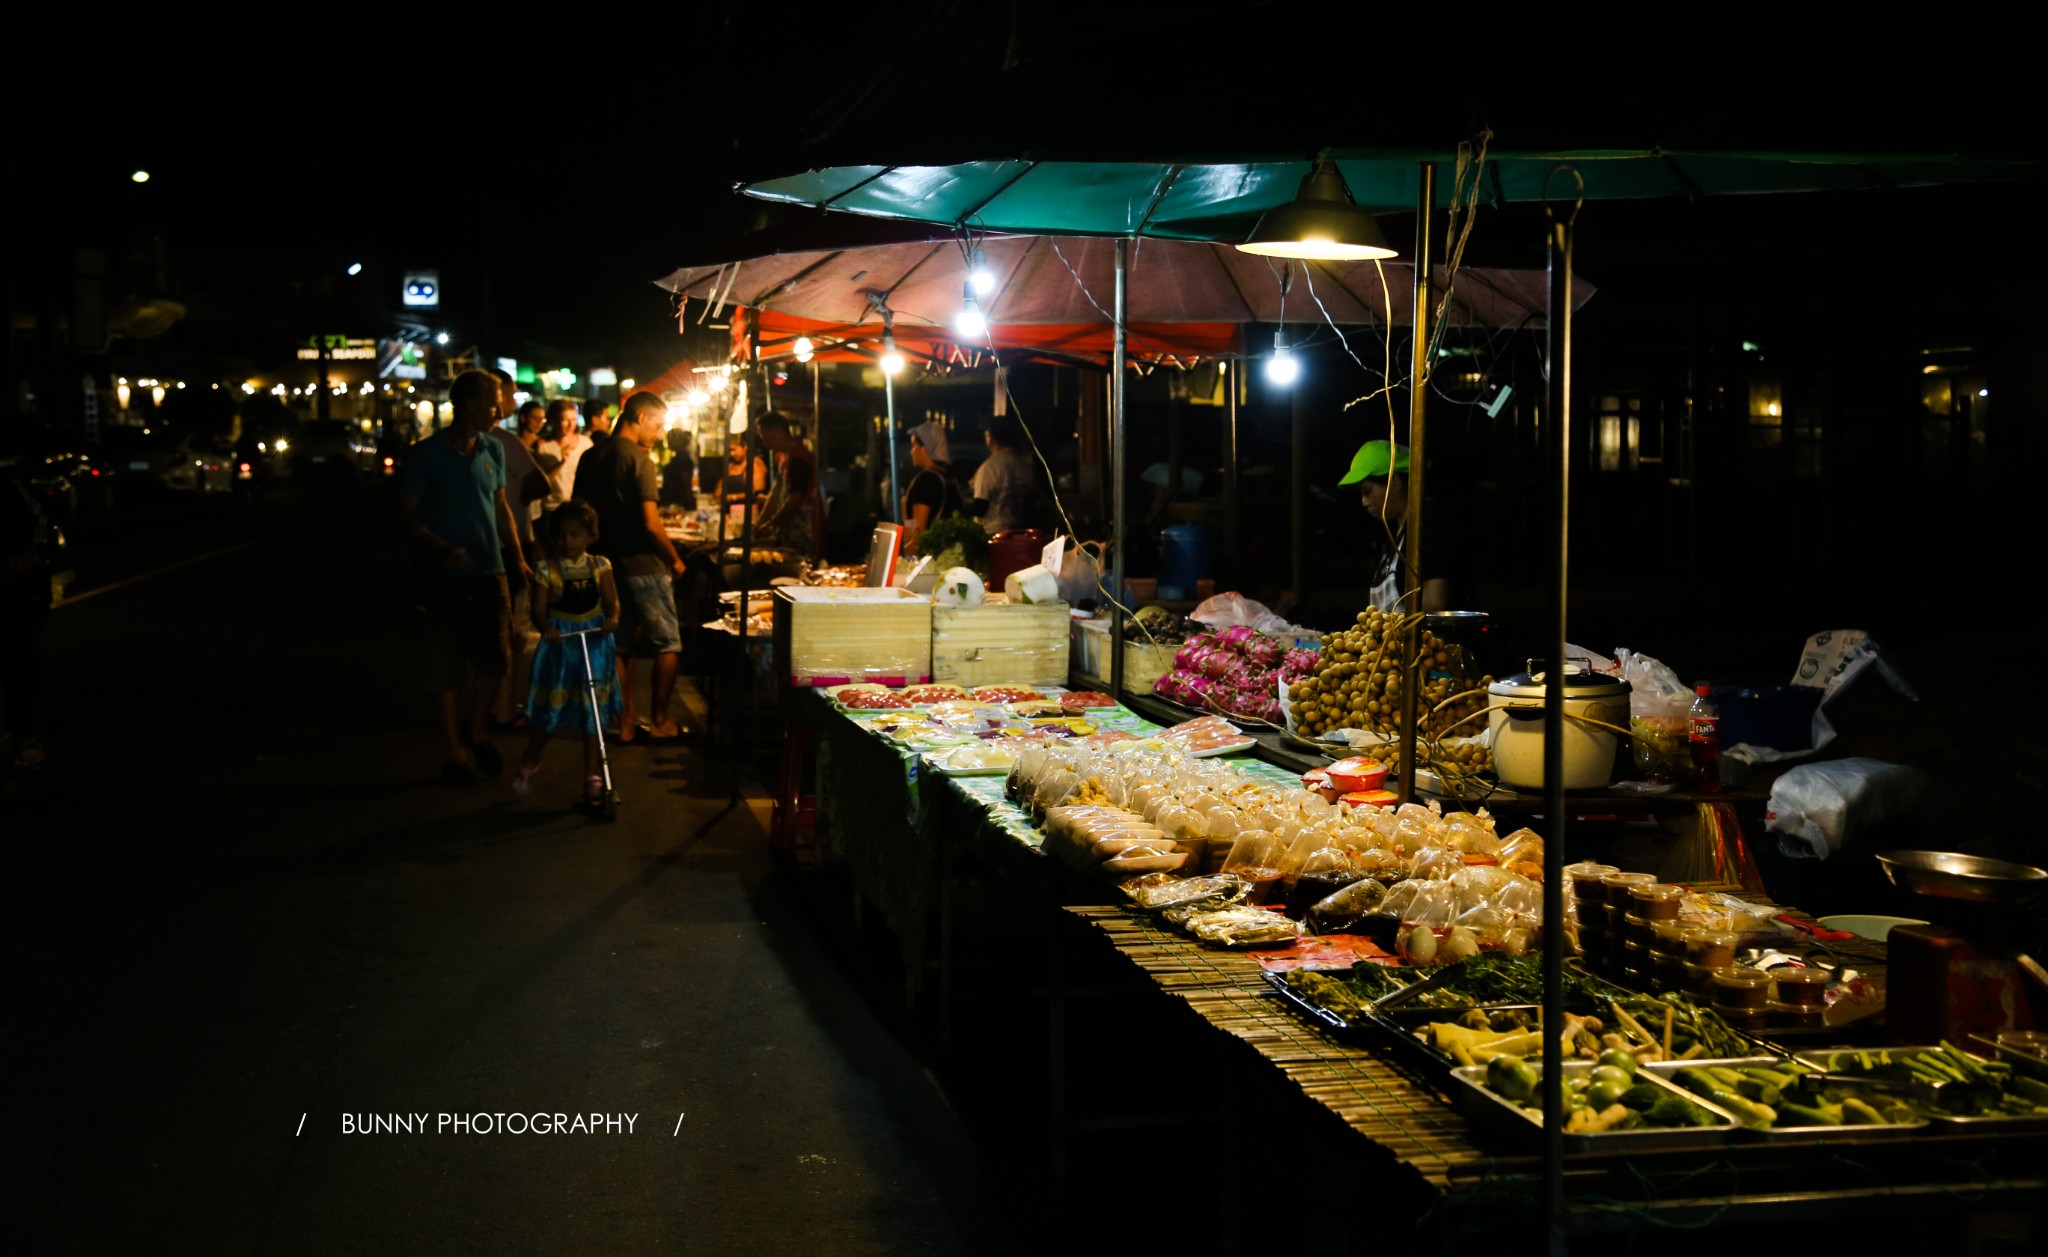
pixel 248 917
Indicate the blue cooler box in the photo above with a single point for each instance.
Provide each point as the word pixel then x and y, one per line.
pixel 1776 716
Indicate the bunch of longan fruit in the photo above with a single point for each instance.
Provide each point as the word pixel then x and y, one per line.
pixel 1357 685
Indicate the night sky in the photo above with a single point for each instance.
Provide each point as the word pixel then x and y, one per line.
pixel 558 184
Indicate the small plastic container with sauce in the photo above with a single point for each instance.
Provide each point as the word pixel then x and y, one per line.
pixel 1655 901
pixel 1615 887
pixel 1635 962
pixel 1667 973
pixel 1699 981
pixel 1802 988
pixel 1736 986
pixel 1585 881
pixel 1636 930
pixel 1798 1016
pixel 1710 949
pixel 1748 1020
pixel 1667 938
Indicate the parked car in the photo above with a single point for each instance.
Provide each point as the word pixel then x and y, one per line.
pixel 331 449
pixel 70 481
pixel 201 464
pixel 135 456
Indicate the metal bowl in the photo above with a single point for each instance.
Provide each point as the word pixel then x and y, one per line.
pixel 1951 875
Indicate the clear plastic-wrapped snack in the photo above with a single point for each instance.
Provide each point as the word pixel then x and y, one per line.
pixel 1348 909
pixel 1157 892
pixel 1243 926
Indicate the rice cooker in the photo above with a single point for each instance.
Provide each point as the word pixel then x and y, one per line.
pixel 1517 726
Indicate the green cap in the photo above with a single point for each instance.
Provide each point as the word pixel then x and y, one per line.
pixel 1372 459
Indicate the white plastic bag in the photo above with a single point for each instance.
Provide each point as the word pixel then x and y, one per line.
pixel 1654 690
pixel 1819 807
pixel 1080 573
pixel 1227 610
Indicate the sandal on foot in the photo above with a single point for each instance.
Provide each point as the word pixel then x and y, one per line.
pixel 460 773
pixel 522 781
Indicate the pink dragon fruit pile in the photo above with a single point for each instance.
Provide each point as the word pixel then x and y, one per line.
pixel 1235 671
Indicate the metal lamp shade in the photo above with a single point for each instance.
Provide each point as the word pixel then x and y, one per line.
pixel 1321 224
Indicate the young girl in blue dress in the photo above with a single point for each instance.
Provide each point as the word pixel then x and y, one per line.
pixel 573 590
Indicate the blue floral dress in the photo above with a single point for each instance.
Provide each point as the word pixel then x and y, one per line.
pixel 559 698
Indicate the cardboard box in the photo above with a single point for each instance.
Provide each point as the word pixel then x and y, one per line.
pixel 1024 644
pixel 840 636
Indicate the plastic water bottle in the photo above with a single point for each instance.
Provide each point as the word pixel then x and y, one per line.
pixel 1703 739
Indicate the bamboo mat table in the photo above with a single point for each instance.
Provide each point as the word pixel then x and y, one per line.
pixel 1373 1095
pixel 1866 1180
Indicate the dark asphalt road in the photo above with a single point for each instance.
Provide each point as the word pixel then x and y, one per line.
pixel 242 898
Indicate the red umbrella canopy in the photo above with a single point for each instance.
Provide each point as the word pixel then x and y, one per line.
pixel 1069 280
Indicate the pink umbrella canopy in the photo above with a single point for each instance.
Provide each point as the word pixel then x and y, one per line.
pixel 1070 279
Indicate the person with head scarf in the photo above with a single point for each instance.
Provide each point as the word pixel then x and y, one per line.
pixel 931 494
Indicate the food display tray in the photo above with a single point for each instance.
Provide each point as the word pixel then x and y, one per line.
pixel 1662 1070
pixel 1359 1030
pixel 1496 1113
pixel 1948 1122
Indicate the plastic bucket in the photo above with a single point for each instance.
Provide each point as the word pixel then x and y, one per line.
pixel 1187 554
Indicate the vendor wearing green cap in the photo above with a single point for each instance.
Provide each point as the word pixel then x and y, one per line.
pixel 1380 470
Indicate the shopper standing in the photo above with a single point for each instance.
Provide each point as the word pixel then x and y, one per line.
pixel 564 439
pixel 1005 492
pixel 618 480
pixel 455 508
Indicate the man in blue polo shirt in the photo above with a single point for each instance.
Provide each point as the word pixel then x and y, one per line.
pixel 455 508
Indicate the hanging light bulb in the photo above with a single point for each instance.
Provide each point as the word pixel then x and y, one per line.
pixel 970 322
pixel 805 350
pixel 1282 368
pixel 122 391
pixel 979 277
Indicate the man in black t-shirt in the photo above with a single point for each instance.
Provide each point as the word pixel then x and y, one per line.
pixel 618 480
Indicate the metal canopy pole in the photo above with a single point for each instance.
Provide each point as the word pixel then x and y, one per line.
pixel 1230 524
pixel 1411 526
pixel 1117 430
pixel 1557 461
pixel 895 510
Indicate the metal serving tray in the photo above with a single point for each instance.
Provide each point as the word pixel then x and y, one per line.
pixel 1327 1018
pixel 1662 1071
pixel 1488 1111
pixel 1990 1123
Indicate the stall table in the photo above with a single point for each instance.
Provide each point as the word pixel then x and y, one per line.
pixel 897 825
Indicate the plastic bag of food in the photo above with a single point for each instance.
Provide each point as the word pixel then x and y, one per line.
pixel 1426 923
pixel 1524 846
pixel 1436 864
pixel 1398 897
pixel 1257 856
pixel 1144 858
pixel 1156 892
pixel 1321 873
pixel 1243 926
pixel 1347 909
pixel 1470 835
pixel 1382 865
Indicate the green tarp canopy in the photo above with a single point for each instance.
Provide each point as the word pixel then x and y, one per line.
pixel 1220 200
